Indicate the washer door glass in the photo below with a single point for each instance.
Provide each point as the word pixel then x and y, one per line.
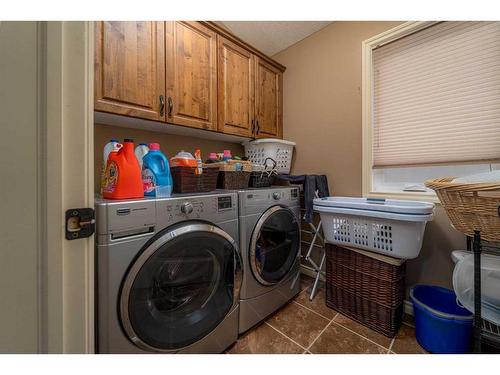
pixel 179 289
pixel 275 245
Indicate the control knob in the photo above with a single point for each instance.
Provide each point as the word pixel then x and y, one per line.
pixel 276 196
pixel 187 208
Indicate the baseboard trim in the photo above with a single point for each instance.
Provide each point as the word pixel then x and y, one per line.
pixel 408 307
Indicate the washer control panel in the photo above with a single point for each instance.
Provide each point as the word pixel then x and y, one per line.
pixel 186 207
pixel 210 207
pixel 224 203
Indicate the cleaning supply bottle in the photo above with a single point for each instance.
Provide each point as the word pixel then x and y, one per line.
pixel 156 177
pixel 123 174
pixel 140 151
pixel 199 162
pixel 112 145
pixel 227 155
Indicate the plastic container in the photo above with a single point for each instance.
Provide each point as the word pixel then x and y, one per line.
pixel 112 145
pixel 463 283
pixel 441 325
pixel 140 152
pixel 183 159
pixel 123 178
pixel 390 227
pixel 279 150
pixel 156 177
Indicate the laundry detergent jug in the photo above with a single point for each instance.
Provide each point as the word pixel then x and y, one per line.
pixel 112 145
pixel 140 152
pixel 123 178
pixel 156 177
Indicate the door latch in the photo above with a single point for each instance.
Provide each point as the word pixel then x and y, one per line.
pixel 80 223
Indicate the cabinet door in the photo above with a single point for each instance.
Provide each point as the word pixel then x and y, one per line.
pixel 268 100
pixel 236 89
pixel 191 74
pixel 130 68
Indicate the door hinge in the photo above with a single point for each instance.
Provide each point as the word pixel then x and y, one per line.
pixel 80 223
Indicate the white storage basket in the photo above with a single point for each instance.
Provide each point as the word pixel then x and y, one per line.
pixel 390 227
pixel 280 151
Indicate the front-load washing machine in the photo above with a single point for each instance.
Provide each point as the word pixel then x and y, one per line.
pixel 270 247
pixel 168 274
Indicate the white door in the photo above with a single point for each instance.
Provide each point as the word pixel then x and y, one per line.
pixel 46 107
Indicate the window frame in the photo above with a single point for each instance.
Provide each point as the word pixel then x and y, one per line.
pixel 367 47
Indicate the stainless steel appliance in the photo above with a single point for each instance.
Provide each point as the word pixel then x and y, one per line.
pixel 168 274
pixel 269 222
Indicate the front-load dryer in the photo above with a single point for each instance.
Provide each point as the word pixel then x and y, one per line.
pixel 168 274
pixel 270 246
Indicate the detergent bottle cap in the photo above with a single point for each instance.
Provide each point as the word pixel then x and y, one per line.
pixel 154 146
pixel 212 156
pixel 128 140
pixel 114 140
pixel 143 144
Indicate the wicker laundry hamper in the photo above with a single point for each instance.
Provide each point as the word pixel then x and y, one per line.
pixel 470 207
pixel 366 287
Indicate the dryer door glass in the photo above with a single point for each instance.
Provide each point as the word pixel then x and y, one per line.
pixel 180 288
pixel 275 245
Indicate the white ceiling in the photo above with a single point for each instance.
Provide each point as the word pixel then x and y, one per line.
pixel 272 37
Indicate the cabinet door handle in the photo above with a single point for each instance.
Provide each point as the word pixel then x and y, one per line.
pixel 170 105
pixel 162 105
pixel 258 127
pixel 253 126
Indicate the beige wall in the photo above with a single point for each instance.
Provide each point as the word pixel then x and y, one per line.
pixel 170 144
pixel 322 113
pixel 19 162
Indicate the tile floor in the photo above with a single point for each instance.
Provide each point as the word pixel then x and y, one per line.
pixel 310 327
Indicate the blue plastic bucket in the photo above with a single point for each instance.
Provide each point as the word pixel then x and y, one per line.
pixel 441 325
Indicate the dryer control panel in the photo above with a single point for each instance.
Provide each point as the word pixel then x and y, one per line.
pixel 253 201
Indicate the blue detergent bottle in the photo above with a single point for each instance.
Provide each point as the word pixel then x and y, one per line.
pixel 156 176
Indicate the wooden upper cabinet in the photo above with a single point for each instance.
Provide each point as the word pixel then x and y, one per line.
pixel 191 75
pixel 194 74
pixel 268 100
pixel 236 89
pixel 129 68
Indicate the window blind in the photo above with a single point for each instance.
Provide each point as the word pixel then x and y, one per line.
pixel 436 96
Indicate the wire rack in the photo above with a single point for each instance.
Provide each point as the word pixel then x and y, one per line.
pixel 486 334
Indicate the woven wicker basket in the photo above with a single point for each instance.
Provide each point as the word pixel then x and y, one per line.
pixel 233 166
pixel 187 181
pixel 470 207
pixel 233 180
pixel 365 289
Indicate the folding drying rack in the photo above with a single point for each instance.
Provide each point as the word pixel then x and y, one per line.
pixel 317 267
pixel 485 333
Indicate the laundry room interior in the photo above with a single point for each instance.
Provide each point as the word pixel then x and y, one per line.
pixel 252 186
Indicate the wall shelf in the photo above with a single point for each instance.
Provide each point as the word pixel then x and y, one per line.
pixel 161 127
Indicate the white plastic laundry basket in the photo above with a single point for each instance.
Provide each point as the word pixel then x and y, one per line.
pixel 391 227
pixel 280 151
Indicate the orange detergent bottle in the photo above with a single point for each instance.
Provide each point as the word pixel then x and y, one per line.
pixel 123 179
